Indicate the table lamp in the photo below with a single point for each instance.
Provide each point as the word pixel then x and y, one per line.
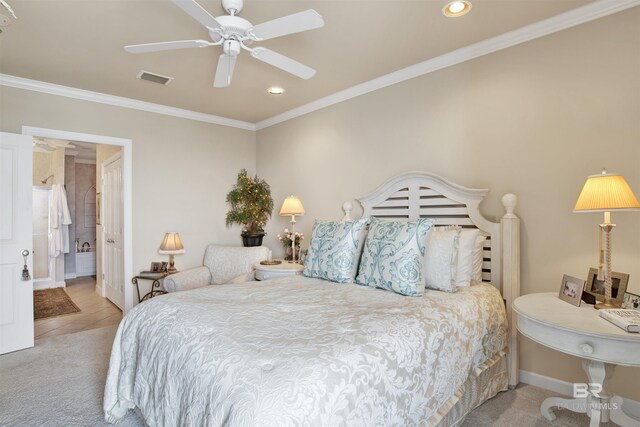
pixel 171 245
pixel 292 206
pixel 606 192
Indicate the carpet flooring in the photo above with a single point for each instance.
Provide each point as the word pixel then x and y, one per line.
pixel 52 302
pixel 60 382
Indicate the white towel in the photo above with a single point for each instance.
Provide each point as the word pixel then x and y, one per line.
pixel 60 219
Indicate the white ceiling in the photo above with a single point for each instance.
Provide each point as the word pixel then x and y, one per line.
pixel 80 44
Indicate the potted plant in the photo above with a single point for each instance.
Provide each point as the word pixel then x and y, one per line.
pixel 251 207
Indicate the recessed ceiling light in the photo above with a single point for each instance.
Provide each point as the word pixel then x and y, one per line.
pixel 457 8
pixel 275 90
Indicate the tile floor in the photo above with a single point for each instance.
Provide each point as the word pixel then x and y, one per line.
pixel 96 311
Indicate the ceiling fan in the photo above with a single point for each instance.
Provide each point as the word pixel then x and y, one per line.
pixel 235 33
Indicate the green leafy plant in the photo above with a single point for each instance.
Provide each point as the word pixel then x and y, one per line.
pixel 251 204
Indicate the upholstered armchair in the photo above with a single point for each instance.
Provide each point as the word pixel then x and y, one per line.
pixel 222 264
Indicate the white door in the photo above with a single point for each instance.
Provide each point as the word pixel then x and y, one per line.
pixel 112 231
pixel 16 295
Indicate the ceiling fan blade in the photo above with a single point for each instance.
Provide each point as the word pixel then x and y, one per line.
pixel 283 62
pixel 301 21
pixel 224 71
pixel 157 47
pixel 196 11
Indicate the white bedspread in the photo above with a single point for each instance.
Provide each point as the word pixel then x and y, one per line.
pixel 299 351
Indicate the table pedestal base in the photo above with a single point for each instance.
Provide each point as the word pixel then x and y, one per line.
pixel 599 405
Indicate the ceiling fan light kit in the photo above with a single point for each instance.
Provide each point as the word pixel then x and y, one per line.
pixel 235 34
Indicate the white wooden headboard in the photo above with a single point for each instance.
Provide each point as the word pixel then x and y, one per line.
pixel 414 195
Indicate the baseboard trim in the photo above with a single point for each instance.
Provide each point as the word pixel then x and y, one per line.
pixel 38 286
pixel 99 290
pixel 631 407
pixel 70 276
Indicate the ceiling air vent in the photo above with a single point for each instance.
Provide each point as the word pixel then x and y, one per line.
pixel 155 78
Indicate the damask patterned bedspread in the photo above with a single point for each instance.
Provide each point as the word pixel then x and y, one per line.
pixel 297 352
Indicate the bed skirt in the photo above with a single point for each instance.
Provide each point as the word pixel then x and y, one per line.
pixel 488 380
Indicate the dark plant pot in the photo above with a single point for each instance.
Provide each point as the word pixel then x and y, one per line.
pixel 255 240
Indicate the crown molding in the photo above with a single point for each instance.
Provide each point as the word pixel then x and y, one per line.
pixel 592 11
pixel 572 18
pixel 118 101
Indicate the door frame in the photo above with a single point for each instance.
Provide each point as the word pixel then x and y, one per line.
pixel 127 181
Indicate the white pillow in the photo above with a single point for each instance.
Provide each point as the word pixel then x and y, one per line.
pixel 478 258
pixel 465 257
pixel 441 260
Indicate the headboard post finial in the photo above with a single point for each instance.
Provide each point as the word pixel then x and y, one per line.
pixel 347 207
pixel 509 201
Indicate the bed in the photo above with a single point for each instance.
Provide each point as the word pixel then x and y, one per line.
pixel 301 351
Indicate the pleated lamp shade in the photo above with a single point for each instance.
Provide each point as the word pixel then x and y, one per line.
pixel 291 206
pixel 604 193
pixel 171 244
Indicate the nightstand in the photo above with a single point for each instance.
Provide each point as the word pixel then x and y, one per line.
pixel 155 279
pixel 285 268
pixel 580 331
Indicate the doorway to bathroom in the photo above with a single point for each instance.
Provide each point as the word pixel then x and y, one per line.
pixel 16 210
pixel 69 259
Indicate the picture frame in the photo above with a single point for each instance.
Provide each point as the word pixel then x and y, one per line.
pixel 165 266
pixel 98 209
pixel 631 301
pixel 571 289
pixel 156 267
pixel 595 287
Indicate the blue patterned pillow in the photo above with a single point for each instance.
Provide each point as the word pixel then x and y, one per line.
pixel 335 250
pixel 393 256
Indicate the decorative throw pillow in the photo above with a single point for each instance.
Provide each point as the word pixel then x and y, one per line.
pixel 478 258
pixel 465 256
pixel 393 256
pixel 441 260
pixel 334 250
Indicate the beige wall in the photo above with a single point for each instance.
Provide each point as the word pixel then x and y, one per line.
pixel 534 120
pixel 182 169
pixel 42 168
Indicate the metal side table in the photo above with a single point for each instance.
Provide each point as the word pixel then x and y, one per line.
pixel 156 289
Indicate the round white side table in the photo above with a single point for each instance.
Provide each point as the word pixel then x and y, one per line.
pixel 285 268
pixel 580 331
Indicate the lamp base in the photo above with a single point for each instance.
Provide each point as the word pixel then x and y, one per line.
pixel 172 265
pixel 607 305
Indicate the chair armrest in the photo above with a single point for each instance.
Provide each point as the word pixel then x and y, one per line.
pixel 188 279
